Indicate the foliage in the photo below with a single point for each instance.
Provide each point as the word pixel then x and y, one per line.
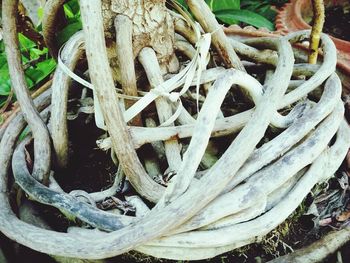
pixel 263 8
pixel 72 12
pixel 251 12
pixel 37 64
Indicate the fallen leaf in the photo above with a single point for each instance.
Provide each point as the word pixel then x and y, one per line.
pixel 343 216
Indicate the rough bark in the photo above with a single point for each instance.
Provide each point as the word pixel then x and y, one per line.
pixel 152 25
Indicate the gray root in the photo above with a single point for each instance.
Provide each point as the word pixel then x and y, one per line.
pixel 149 61
pixel 207 20
pixel 103 82
pixel 70 55
pixel 125 56
pixel 40 132
pixel 194 217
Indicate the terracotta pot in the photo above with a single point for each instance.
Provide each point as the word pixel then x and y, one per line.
pixel 297 14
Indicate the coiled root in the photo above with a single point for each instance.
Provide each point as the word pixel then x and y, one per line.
pixel 216 201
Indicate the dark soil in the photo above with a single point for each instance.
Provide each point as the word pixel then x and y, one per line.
pixel 90 169
pixel 337 21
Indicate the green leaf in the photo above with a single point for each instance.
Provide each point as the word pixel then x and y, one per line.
pixel 216 5
pixel 36 53
pixel 33 76
pixel 4 89
pixel 41 71
pixel 5 84
pixel 74 7
pixel 47 66
pixel 221 5
pixel 68 11
pixel 25 59
pixel 25 43
pixel 263 8
pixel 182 3
pixel 2 47
pixel 245 16
pixel 210 3
pixel 30 82
pixel 3 61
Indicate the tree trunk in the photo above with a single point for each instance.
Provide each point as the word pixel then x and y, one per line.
pixel 152 25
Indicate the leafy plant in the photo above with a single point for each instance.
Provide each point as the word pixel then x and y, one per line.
pixel 263 8
pixel 72 12
pixel 251 12
pixel 230 16
pixel 36 62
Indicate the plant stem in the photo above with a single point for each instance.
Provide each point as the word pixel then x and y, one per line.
pixel 319 17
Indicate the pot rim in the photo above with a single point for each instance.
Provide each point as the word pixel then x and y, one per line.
pixel 292 12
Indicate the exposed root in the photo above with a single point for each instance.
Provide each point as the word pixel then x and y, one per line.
pixel 125 56
pixel 185 30
pixel 103 82
pixel 207 20
pixel 191 180
pixel 40 132
pixel 70 55
pixel 148 59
